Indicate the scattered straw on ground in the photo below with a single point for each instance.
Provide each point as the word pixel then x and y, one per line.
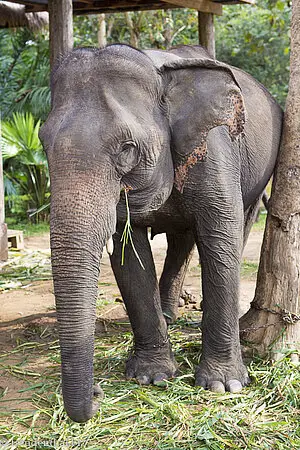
pixel 181 416
pixel 24 267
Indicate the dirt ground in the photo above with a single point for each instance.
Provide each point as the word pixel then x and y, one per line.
pixel 36 300
pixel 28 313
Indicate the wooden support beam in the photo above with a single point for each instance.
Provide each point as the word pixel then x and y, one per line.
pixel 145 6
pixel 201 5
pixel 61 28
pixel 102 6
pixel 105 6
pixel 207 32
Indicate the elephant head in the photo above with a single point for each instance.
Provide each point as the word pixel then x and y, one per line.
pixel 113 111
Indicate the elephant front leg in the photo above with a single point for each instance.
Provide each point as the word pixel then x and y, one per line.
pixel 152 360
pixel 220 242
pixel 179 254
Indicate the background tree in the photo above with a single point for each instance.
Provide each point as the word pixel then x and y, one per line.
pixel 102 40
pixel 134 24
pixel 273 321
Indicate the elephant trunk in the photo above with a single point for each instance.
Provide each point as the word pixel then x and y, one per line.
pixel 75 274
pixel 81 224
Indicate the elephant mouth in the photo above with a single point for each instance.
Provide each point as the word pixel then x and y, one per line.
pixel 141 203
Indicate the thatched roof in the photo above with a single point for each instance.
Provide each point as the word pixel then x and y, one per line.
pixel 13 15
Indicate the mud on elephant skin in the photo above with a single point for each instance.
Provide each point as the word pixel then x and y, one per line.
pixel 196 141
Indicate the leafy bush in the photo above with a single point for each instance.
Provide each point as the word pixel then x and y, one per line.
pixel 25 164
pixel 24 72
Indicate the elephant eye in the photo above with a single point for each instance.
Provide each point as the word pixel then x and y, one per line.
pixel 128 158
pixel 128 145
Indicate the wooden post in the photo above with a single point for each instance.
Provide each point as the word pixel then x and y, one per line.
pixel 61 28
pixel 3 227
pixel 101 31
pixel 207 32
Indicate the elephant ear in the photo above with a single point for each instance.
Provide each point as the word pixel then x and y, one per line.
pixel 201 94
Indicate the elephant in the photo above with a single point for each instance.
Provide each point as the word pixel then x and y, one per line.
pixel 192 142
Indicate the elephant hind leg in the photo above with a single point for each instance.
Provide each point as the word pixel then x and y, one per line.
pixel 179 253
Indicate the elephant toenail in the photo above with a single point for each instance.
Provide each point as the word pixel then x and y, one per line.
pixel 234 386
pixel 98 392
pixel 217 386
pixel 143 379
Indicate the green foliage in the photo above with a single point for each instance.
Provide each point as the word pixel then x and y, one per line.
pixel 30 229
pixel 24 72
pixel 261 222
pixel 154 29
pixel 249 269
pixel 25 163
pixel 256 39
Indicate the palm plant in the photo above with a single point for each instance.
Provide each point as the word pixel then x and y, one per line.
pixel 24 72
pixel 25 164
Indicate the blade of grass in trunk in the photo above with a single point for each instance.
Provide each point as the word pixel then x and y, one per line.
pixel 127 233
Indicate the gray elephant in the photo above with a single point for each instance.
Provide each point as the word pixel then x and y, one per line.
pixel 196 142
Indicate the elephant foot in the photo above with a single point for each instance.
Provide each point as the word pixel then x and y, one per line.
pixel 153 365
pixel 216 376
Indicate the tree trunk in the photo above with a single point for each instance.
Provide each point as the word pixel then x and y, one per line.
pixel 102 42
pixel 3 227
pixel 134 27
pixel 61 28
pixel 273 322
pixel 207 32
pixel 169 29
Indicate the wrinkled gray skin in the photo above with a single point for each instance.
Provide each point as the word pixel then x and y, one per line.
pixel 121 117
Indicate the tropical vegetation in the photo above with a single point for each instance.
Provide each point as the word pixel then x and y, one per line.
pixel 26 174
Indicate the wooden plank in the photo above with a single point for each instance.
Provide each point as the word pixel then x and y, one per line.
pixel 106 6
pixel 108 10
pixel 117 4
pixel 15 239
pixel 37 8
pixel 207 32
pixel 200 5
pixel 33 6
pixel 61 28
pixel 3 242
pixel 235 2
pixel 30 3
pixel 130 5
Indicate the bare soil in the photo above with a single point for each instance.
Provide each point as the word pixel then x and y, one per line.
pixel 28 313
pixel 36 300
